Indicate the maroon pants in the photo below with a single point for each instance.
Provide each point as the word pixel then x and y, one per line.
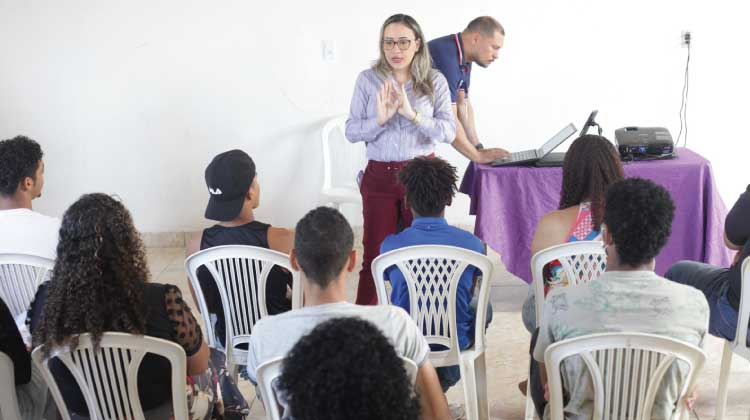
pixel 385 212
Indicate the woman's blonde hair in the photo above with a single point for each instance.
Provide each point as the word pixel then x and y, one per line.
pixel 421 65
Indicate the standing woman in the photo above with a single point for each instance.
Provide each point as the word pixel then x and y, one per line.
pixel 401 108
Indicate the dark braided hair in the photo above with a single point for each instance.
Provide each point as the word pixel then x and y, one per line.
pixel 97 281
pixel 20 158
pixel 430 184
pixel 345 368
pixel 591 165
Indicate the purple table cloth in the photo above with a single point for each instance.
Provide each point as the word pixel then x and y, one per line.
pixel 509 202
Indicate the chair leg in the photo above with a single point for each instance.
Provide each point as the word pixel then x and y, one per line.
pixel 234 371
pixel 726 367
pixel 530 409
pixel 480 373
pixel 468 376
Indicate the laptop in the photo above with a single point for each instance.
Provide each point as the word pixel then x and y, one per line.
pixel 531 156
pixel 557 158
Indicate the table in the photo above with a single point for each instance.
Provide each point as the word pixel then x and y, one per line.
pixel 509 201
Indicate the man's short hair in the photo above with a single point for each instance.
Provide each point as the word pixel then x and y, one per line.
pixel 323 241
pixel 20 158
pixel 345 368
pixel 638 213
pixel 485 25
pixel 430 184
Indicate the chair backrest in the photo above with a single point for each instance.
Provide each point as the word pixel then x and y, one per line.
pixel 240 273
pixel 432 273
pixel 626 372
pixel 270 370
pixel 108 377
pixel 582 262
pixel 350 158
pixel 740 340
pixel 8 402
pixel 20 276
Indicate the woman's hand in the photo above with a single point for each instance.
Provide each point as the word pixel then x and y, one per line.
pixel 388 103
pixel 405 109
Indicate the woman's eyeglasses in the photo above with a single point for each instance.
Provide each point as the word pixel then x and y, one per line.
pixel 403 44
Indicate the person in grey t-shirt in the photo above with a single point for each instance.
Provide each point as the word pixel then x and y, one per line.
pixel 323 253
pixel 629 297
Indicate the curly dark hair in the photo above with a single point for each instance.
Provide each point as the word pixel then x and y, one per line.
pixel 638 214
pixel 20 157
pixel 430 184
pixel 591 165
pixel 346 369
pixel 97 281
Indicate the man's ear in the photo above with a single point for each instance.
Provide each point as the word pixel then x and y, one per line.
pixel 352 261
pixel 293 260
pixel 26 184
pixel 607 235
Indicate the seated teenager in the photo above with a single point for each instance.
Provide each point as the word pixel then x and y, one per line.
pixel 721 286
pixel 323 375
pixel 591 165
pixel 31 391
pixel 234 195
pixel 323 252
pixel 100 284
pixel 21 180
pixel 430 184
pixel 628 297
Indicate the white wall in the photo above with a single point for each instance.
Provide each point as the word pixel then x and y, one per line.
pixel 136 97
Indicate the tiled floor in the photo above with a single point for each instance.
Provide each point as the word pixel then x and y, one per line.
pixel 508 346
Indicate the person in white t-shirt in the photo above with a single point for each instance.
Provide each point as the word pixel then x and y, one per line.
pixel 323 253
pixel 23 230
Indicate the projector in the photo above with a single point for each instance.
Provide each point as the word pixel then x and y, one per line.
pixel 638 143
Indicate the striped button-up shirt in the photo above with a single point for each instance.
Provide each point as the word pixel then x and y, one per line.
pixel 399 139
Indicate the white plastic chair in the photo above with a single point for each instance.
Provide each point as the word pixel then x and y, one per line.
pixel 8 400
pixel 582 261
pixel 432 273
pixel 20 276
pixel 270 370
pixel 240 273
pixel 108 378
pixel 350 159
pixel 626 370
pixel 738 346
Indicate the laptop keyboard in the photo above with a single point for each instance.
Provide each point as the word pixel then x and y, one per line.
pixel 524 155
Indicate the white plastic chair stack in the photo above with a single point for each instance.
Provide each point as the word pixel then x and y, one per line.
pixel 8 402
pixel 240 273
pixel 340 177
pixel 582 262
pixel 270 370
pixel 626 372
pixel 432 273
pixel 108 378
pixel 738 346
pixel 20 276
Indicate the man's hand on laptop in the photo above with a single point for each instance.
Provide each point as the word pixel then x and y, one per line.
pixel 489 155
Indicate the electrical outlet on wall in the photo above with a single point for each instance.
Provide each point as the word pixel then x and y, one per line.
pixel 329 50
pixel 686 38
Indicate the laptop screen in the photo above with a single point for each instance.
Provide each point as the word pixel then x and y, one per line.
pixel 556 140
